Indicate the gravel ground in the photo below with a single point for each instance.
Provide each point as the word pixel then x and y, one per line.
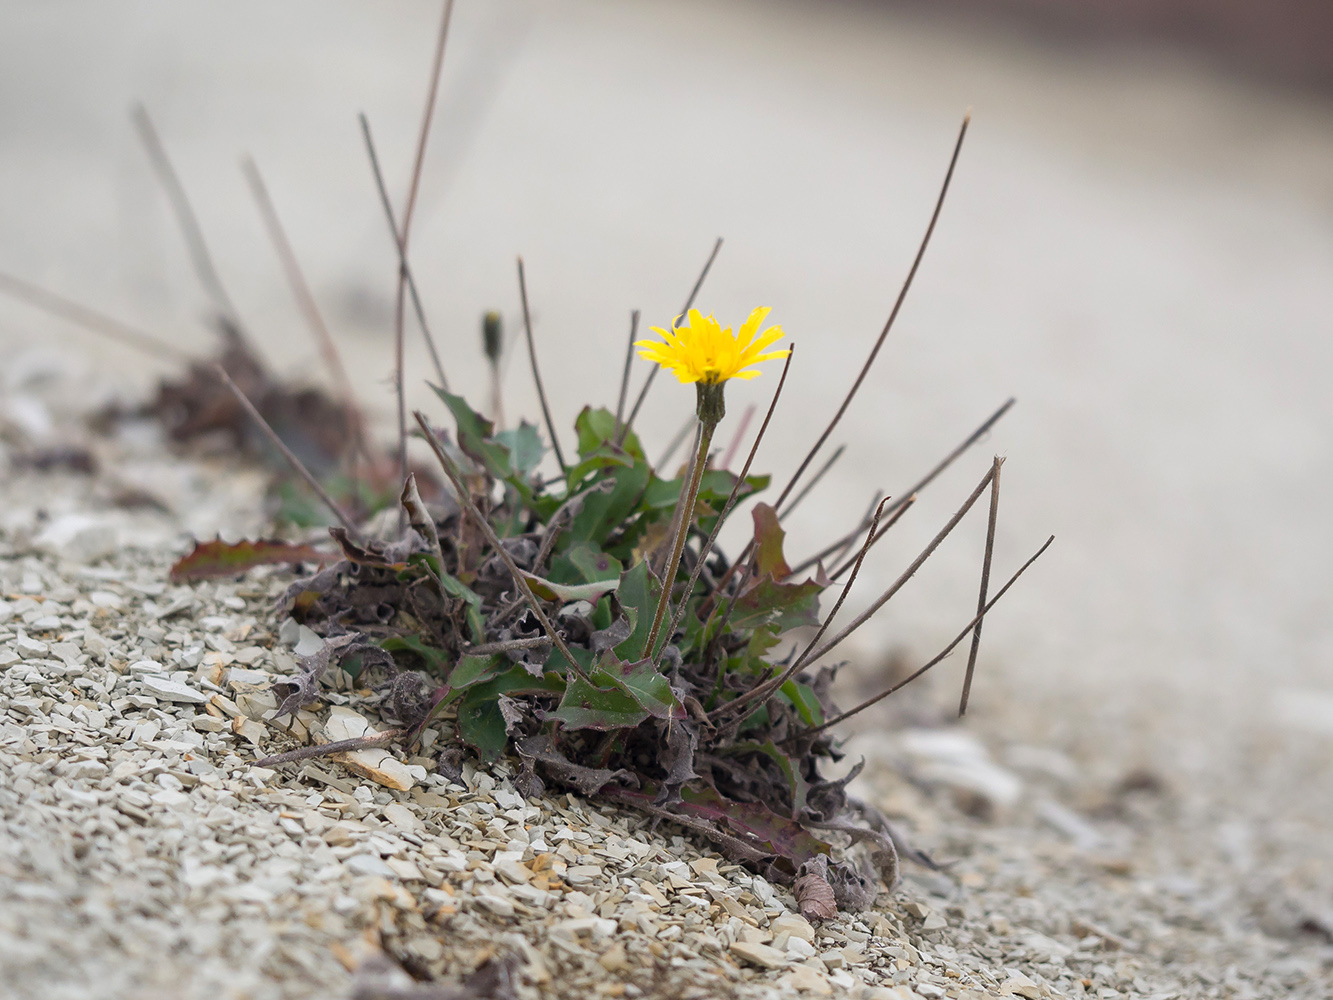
pixel 143 855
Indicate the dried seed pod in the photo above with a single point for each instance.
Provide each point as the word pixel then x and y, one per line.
pixel 814 894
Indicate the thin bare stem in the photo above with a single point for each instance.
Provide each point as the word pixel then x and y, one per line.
pixel 652 374
pixel 676 441
pixel 404 268
pixel 400 299
pixel 873 540
pixel 837 551
pixel 805 733
pixel 893 315
pixel 437 64
pixel 763 690
pixel 187 220
pixel 297 465
pixel 908 573
pixel 67 309
pixel 470 505
pixel 845 542
pixel 707 547
pixel 536 371
pixel 624 376
pixel 736 438
pixel 985 582
pixel 909 497
pixel 330 749
pixel 685 518
pixel 814 481
pixel 301 290
pixel 509 646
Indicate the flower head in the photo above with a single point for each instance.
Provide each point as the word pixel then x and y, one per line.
pixel 704 351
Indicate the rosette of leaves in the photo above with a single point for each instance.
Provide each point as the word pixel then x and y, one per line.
pixel 614 722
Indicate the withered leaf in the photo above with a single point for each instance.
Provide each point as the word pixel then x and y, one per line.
pixel 814 894
pixel 374 555
pixel 588 780
pixel 303 687
pixel 511 711
pixel 210 560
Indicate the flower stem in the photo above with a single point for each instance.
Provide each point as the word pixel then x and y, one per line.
pixel 685 520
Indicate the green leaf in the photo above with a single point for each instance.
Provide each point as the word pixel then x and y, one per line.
pixel 525 448
pixel 437 660
pixel 476 436
pixel 803 699
pixel 784 605
pixel 714 489
pixel 597 428
pixel 549 591
pixel 589 706
pixel 618 695
pixel 796 784
pixel 642 682
pixel 592 564
pixel 597 449
pixel 457 588
pixel 479 721
pixel 605 513
pixel 638 595
pixel 473 670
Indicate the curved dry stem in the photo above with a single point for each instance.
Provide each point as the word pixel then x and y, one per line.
pixel 200 258
pixel 404 268
pixel 893 315
pixel 432 92
pixel 624 376
pixel 874 537
pixel 805 490
pixel 305 298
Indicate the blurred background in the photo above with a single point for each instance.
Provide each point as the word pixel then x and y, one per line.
pixel 1138 246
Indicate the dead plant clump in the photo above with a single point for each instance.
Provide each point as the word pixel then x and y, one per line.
pixel 573 610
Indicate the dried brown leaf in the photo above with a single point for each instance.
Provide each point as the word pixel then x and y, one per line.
pixel 217 558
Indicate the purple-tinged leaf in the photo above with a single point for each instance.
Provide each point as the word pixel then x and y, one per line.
pixel 784 605
pixel 768 538
pixel 217 558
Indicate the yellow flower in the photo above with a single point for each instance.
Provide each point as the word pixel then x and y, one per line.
pixel 704 351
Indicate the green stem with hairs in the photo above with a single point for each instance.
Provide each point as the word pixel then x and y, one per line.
pixel 711 410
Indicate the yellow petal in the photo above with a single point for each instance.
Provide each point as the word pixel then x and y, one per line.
pixel 751 326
